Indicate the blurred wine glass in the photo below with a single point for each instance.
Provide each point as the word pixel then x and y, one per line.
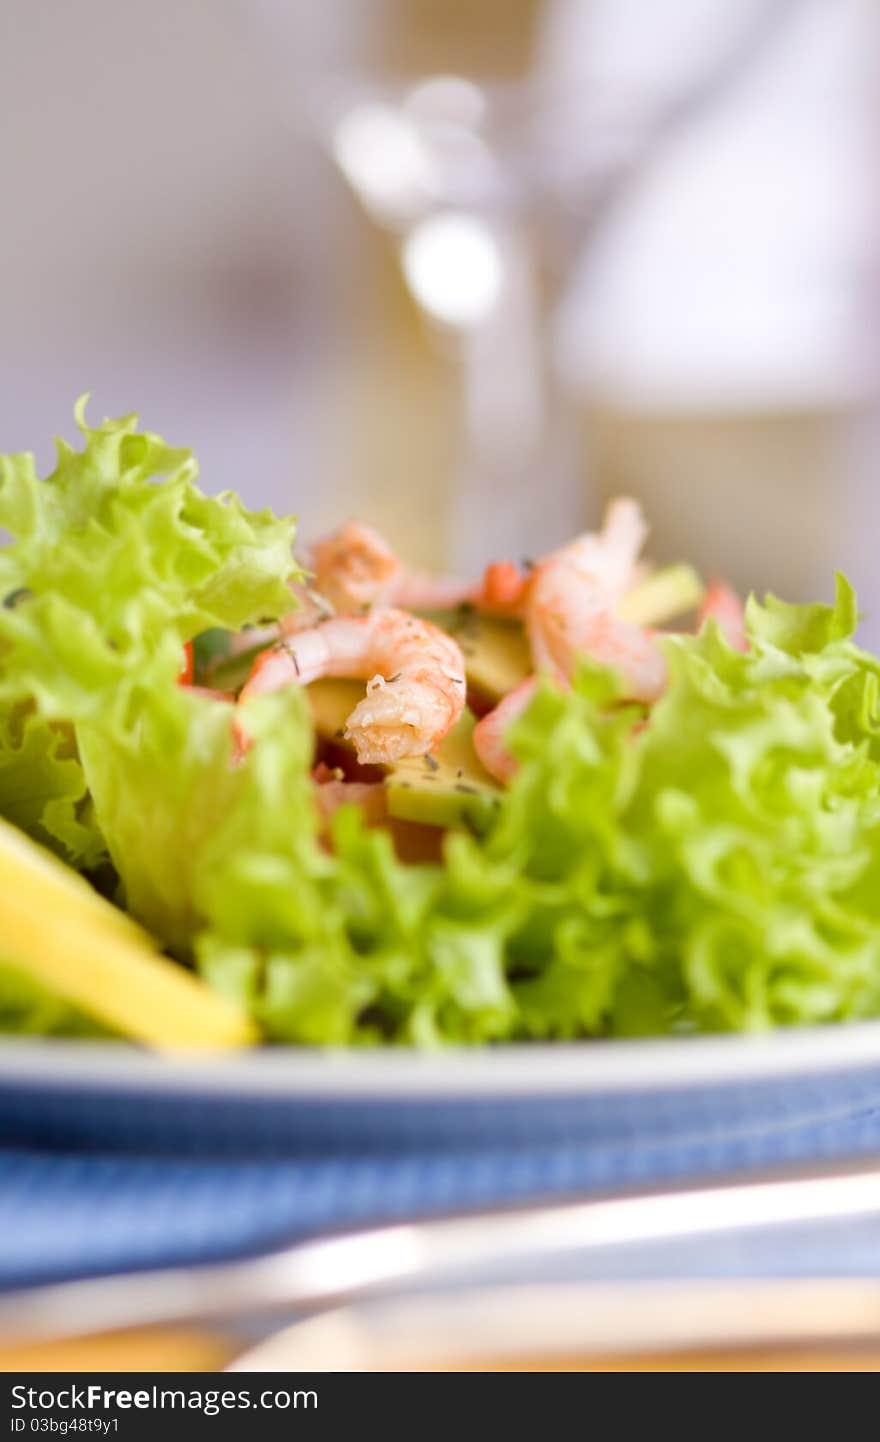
pixel 493 168
pixel 446 166
pixel 442 161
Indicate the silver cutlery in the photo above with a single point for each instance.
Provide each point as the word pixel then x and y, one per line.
pixel 315 1274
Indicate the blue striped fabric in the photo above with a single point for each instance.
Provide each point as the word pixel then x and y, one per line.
pixel 70 1204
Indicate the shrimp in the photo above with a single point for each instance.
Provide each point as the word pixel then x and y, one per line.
pixel 569 611
pixel 725 606
pixel 352 570
pixel 355 568
pixel 501 591
pixel 414 673
pixel 488 735
pixel 572 600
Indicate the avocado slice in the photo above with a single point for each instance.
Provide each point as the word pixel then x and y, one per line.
pixel 662 595
pixel 331 702
pixel 447 788
pixel 63 939
pixel 496 652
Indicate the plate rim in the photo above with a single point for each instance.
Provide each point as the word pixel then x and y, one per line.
pixel 506 1071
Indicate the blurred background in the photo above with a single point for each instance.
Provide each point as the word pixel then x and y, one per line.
pixel 464 267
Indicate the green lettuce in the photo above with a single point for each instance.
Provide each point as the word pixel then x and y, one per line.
pixel 717 868
pixel 43 789
pixel 719 880
pixel 117 560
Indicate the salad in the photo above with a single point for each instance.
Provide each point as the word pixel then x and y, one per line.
pixel 331 800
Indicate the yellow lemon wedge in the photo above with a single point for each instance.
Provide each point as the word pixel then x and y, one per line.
pixel 66 938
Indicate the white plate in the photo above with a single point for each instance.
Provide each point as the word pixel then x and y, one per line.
pixel 619 1095
pixel 583 1068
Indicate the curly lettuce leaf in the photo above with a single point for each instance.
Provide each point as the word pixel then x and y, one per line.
pixel 181 814
pixel 348 947
pixel 720 881
pixel 803 630
pixel 43 788
pixel 118 559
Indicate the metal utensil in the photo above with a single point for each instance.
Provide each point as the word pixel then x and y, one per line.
pixel 825 1324
pixel 314 1274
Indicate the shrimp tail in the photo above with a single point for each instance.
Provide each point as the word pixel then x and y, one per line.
pixel 272 670
pixel 489 733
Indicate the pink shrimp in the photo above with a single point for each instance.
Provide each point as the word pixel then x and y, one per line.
pixel 414 673
pixel 569 609
pixel 572 600
pixel 489 734
pixel 354 568
pixel 501 591
pixel 724 605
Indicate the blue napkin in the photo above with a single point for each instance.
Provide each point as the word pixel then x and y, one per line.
pixel 66 1213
